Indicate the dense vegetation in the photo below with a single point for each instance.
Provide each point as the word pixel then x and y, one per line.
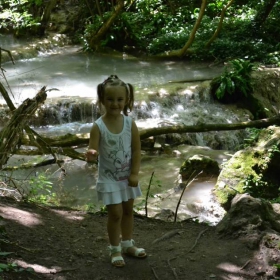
pixel 209 30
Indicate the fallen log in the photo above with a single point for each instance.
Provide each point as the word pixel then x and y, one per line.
pixel 263 123
pixel 58 145
pixel 79 140
pixel 11 134
pixel 195 79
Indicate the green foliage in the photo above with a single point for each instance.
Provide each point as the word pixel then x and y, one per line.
pixel 36 189
pixel 253 136
pixel 255 186
pixel 16 15
pixel 167 42
pixel 12 267
pixel 173 30
pixel 273 58
pixel 157 26
pixel 234 83
pixel 262 185
pixel 277 265
pixel 276 200
pixel 40 189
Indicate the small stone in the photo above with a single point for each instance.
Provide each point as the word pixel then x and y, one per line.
pixel 99 238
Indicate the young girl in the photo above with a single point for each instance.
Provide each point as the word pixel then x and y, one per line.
pixel 115 143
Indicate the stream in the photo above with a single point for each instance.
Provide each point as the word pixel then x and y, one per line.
pixel 75 75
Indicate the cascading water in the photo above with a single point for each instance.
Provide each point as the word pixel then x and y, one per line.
pixel 71 109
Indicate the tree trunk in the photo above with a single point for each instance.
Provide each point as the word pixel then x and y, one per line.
pixel 263 13
pixel 46 15
pixel 11 134
pixel 220 25
pixel 95 40
pixel 183 51
pixel 98 8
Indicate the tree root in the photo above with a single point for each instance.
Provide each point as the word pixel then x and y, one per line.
pixel 172 268
pixel 199 235
pixel 245 264
pixel 154 272
pixel 17 245
pixel 167 235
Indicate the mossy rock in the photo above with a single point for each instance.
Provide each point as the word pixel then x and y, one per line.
pixel 253 170
pixel 198 163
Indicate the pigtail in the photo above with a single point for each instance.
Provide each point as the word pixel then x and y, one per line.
pixel 130 99
pixel 100 95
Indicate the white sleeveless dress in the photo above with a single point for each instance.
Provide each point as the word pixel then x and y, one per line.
pixel 115 164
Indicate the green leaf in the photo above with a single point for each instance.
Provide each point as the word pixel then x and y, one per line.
pixel 5 253
pixel 230 86
pixel 4 266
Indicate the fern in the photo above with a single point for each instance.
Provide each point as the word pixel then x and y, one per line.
pixel 234 82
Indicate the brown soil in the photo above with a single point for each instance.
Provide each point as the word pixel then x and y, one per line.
pixel 72 245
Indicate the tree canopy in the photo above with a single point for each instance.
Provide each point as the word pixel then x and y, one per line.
pixel 205 30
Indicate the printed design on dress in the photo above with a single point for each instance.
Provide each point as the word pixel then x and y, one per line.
pixel 121 162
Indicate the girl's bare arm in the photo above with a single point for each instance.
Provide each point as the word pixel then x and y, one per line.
pixel 136 156
pixel 92 152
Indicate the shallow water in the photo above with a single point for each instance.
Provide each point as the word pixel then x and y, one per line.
pixel 77 187
pixel 74 73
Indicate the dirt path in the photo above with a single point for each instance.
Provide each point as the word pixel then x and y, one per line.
pixel 72 245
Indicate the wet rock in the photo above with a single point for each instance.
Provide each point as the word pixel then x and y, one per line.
pixel 198 163
pixel 165 215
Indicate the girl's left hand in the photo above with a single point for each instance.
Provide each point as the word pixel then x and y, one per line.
pixel 133 180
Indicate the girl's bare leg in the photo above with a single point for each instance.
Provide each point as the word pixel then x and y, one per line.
pixel 127 220
pixel 115 212
pixel 127 225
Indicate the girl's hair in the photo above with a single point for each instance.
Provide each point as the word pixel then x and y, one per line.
pixel 113 80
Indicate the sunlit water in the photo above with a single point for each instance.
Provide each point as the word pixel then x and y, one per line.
pixel 72 74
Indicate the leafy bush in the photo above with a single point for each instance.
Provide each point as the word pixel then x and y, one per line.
pixel 272 58
pixel 16 16
pixel 234 83
pixel 166 42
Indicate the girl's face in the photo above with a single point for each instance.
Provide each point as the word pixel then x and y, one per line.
pixel 115 98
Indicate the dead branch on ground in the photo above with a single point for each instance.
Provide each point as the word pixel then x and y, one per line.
pixel 190 180
pixel 168 235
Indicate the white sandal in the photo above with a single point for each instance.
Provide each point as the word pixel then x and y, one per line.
pixel 127 246
pixel 116 261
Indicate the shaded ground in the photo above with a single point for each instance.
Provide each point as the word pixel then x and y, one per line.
pixel 72 245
